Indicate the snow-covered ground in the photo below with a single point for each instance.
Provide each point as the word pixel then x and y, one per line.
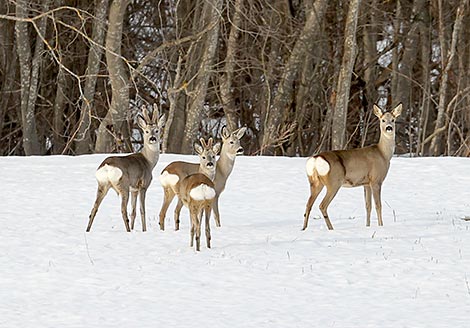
pixel 262 271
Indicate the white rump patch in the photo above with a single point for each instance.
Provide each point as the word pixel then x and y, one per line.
pixel 319 164
pixel 108 173
pixel 167 179
pixel 202 192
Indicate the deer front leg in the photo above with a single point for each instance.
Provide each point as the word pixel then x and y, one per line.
pixel 178 208
pixel 133 206
pixel 168 196
pixel 315 189
pixel 124 201
pixel 367 197
pixel 376 190
pixel 215 208
pixel 330 194
pixel 142 194
pixel 100 194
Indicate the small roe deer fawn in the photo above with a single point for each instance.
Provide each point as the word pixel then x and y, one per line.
pixel 366 167
pixel 131 173
pixel 197 192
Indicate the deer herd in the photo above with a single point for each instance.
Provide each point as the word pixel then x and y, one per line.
pixel 198 186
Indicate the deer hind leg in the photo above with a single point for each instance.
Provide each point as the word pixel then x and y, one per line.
pixel 208 226
pixel 178 208
pixel 124 201
pixel 100 194
pixel 193 227
pixel 133 206
pixel 168 195
pixel 367 197
pixel 315 188
pixel 376 190
pixel 142 194
pixel 331 192
pixel 198 229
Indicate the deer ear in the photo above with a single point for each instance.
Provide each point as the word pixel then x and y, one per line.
pixel 377 111
pixel 141 122
pixel 216 148
pixel 225 133
pixel 240 132
pixel 198 148
pixel 397 110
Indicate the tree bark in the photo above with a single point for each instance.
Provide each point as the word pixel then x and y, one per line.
pixel 280 107
pixel 83 142
pixel 226 79
pixel 118 77
pixel 436 143
pixel 212 10
pixel 29 71
pixel 344 80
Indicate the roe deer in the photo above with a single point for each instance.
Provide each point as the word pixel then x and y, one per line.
pixel 197 192
pixel 175 172
pixel 230 149
pixel 366 167
pixel 132 172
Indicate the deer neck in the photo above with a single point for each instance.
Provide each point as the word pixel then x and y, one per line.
pixel 225 164
pixel 151 153
pixel 386 145
pixel 208 172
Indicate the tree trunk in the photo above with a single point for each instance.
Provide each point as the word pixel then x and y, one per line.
pixel 118 77
pixel 344 80
pixel 226 79
pixel 436 143
pixel 196 104
pixel 83 142
pixel 280 107
pixel 29 71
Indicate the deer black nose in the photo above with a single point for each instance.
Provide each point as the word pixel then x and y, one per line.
pixel 153 139
pixel 240 151
pixel 389 128
pixel 210 164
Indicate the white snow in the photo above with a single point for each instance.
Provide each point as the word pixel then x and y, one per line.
pixel 262 270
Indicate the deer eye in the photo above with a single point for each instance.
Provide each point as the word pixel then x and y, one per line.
pixel 231 142
pixel 393 121
pixel 147 131
pixel 203 157
pixel 383 121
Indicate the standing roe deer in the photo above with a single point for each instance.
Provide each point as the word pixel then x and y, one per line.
pixel 175 172
pixel 132 172
pixel 197 192
pixel 366 167
pixel 230 149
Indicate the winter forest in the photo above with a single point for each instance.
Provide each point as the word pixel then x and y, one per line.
pixel 302 76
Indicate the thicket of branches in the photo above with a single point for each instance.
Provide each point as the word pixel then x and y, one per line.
pixel 301 75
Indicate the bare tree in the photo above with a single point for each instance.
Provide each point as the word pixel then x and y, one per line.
pixel 119 107
pixel 344 80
